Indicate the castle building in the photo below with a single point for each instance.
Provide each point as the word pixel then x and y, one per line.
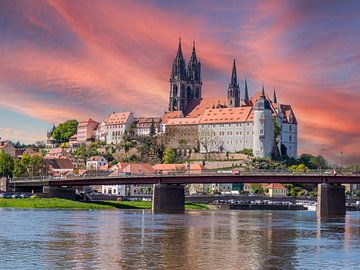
pixel 226 124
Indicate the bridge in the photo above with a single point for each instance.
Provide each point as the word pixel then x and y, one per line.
pixel 168 193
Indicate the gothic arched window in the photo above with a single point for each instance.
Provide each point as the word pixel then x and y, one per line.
pixel 175 90
pixel 189 92
pixel 197 92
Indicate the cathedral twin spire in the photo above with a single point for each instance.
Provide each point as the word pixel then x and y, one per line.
pixel 185 81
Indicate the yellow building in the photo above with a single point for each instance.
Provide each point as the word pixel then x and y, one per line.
pixel 276 190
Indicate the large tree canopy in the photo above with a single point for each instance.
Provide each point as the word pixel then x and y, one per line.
pixel 64 131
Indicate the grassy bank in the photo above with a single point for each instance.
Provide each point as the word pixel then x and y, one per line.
pixel 69 204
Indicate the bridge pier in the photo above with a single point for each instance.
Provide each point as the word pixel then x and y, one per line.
pixel 331 200
pixel 60 192
pixel 168 198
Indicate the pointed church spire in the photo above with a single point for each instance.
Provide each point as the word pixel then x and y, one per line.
pixel 233 75
pixel 275 98
pixel 193 58
pixel 179 54
pixel 263 91
pixel 246 91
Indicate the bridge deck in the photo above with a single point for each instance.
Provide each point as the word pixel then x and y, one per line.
pixel 192 179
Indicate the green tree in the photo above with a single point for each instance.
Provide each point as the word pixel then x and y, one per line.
pixel 256 188
pixel 313 162
pixel 21 166
pixel 300 168
pixel 30 166
pixel 247 151
pixel 169 156
pixel 64 131
pixel 152 128
pixel 37 166
pixel 80 152
pixel 6 164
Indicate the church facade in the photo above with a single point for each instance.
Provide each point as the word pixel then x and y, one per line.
pixel 230 123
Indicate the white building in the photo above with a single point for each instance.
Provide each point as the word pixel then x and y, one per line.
pixel 97 163
pixel 143 125
pixel 100 132
pixel 225 130
pixel 119 190
pixel 116 125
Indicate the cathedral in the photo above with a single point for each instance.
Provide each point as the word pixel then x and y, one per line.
pixel 185 81
pixel 229 123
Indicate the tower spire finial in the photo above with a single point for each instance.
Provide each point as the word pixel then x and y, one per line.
pixel 246 90
pixel 263 91
pixel 233 74
pixel 275 98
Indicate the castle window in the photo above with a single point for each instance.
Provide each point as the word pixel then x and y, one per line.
pixel 289 138
pixel 261 131
pixel 289 127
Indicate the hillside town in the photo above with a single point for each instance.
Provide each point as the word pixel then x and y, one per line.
pixel 232 133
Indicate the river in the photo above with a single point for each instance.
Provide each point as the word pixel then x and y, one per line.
pixel 137 239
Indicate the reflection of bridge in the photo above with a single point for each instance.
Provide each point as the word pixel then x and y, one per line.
pixel 169 191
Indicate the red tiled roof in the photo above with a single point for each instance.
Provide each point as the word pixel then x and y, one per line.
pixel 95 158
pixel 275 186
pixel 171 115
pixel 226 115
pixel 174 167
pixel 198 106
pixel 118 118
pixel 139 168
pixel 86 122
pixel 183 121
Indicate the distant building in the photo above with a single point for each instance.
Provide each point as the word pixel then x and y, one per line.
pixel 275 190
pixel 123 168
pixel 116 126
pixel 100 132
pixel 56 153
pixel 182 133
pixel 8 148
pixel 59 167
pixel 142 125
pixel 97 163
pixel 192 168
pixel 85 131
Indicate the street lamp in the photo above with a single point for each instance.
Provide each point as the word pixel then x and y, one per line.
pixel 342 159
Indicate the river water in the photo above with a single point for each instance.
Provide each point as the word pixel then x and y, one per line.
pixel 138 239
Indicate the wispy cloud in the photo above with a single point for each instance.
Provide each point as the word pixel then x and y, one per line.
pixel 63 59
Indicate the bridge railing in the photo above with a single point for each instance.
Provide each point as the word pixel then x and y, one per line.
pixel 168 174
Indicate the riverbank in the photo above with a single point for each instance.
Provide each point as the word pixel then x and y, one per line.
pixel 56 203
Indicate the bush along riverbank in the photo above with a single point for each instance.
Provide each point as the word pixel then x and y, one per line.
pixel 56 203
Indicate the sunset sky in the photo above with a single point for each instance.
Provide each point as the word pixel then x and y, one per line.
pixel 70 59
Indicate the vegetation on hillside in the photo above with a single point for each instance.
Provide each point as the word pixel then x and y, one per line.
pixel 64 131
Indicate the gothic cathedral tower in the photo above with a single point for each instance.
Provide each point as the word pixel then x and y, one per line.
pixel 185 83
pixel 233 90
pixel 194 77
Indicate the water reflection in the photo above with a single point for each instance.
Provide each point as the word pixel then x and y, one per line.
pixel 45 239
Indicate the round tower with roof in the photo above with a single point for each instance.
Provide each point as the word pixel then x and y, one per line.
pixel 263 137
